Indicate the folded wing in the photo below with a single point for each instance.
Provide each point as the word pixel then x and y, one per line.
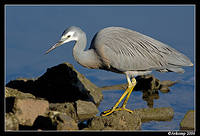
pixel 126 50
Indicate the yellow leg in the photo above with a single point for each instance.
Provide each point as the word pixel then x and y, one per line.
pixel 108 112
pixel 127 97
pixel 128 90
pixel 133 80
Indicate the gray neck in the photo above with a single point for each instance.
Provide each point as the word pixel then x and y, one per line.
pixel 87 58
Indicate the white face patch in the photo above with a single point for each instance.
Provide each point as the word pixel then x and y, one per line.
pixel 68 34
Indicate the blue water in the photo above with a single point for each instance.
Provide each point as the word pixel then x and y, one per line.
pixel 181 98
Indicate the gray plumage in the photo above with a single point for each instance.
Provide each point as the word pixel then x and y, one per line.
pixel 123 50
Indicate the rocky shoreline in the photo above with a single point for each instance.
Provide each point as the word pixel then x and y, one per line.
pixel 63 99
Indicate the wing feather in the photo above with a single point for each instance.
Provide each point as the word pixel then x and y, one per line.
pixel 129 50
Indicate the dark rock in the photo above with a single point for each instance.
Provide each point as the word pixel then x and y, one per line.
pixel 118 120
pixel 23 85
pixel 40 123
pixel 188 122
pixel 44 123
pixel 146 83
pixel 164 85
pixel 85 110
pixel 60 84
pixel 82 125
pixel 155 114
pixel 66 108
pixel 93 90
pixel 10 101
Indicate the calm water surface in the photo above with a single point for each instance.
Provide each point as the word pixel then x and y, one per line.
pixel 180 98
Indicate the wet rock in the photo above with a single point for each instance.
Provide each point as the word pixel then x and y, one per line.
pixel 61 83
pixel 168 83
pixel 27 110
pixel 66 108
pixel 85 110
pixel 164 85
pixel 156 114
pixel 11 122
pixel 164 89
pixel 146 83
pixel 149 83
pixel 188 121
pixel 65 122
pixel 118 120
pixel 114 87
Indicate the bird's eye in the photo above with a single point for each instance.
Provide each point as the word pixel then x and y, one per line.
pixel 68 36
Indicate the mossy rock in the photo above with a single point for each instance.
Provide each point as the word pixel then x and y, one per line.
pixel 188 121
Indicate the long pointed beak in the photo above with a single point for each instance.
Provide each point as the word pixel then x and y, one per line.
pixel 55 46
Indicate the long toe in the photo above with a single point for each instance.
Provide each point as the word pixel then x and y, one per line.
pixel 120 108
pixel 106 113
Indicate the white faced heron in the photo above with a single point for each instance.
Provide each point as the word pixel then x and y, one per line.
pixel 123 51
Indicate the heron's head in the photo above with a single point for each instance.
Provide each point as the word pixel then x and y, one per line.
pixel 70 34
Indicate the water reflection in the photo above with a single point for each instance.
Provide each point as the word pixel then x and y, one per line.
pixel 148 85
pixel 149 98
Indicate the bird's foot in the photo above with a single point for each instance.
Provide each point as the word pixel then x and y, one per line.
pixel 108 112
pixel 120 108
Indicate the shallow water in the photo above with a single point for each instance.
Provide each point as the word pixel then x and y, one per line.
pixel 180 98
